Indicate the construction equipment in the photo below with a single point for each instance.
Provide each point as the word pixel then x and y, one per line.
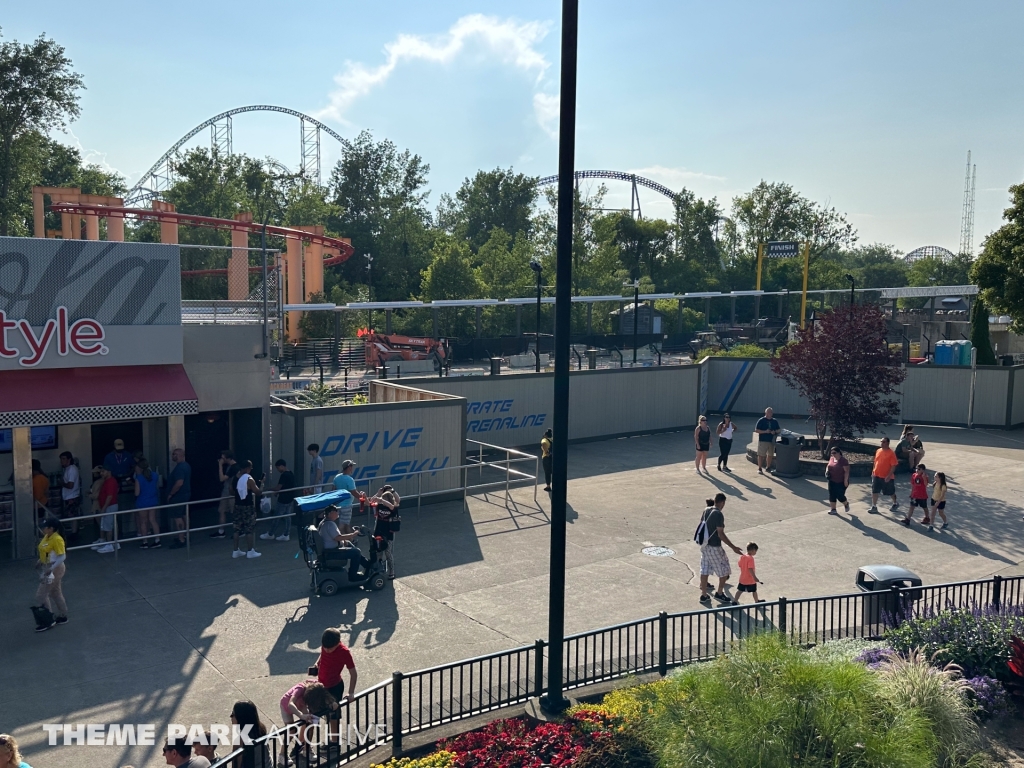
pixel 706 340
pixel 386 348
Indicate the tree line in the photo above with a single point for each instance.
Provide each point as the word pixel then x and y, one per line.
pixel 477 242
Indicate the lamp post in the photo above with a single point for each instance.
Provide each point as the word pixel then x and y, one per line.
pixel 554 701
pixel 636 312
pixel 536 267
pixel 369 289
pixel 853 286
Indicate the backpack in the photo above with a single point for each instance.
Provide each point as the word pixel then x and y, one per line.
pixel 702 535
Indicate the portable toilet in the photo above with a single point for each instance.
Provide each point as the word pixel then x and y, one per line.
pixel 944 352
pixel 965 352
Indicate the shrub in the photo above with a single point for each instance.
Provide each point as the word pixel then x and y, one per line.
pixel 988 697
pixel 739 350
pixel 978 640
pixel 772 706
pixel 624 749
pixel 442 759
pixel 940 694
pixel 873 658
pixel 844 649
pixel 515 743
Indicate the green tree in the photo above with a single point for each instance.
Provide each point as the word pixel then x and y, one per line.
pixel 381 202
pixel 38 92
pixel 876 266
pixel 491 199
pixel 999 270
pixel 696 263
pixel 450 275
pixel 980 338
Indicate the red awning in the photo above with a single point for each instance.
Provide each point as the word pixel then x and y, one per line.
pixel 81 395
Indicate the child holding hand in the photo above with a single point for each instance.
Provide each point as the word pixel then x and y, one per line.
pixel 748 575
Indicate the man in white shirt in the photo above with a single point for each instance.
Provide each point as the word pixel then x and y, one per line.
pixel 71 490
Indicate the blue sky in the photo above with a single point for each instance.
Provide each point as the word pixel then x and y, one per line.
pixel 868 106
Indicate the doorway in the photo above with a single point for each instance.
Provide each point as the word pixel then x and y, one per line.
pixel 104 435
pixel 206 435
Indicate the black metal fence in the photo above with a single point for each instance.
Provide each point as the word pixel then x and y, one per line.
pixel 415 702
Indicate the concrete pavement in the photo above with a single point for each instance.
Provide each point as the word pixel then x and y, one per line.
pixel 156 638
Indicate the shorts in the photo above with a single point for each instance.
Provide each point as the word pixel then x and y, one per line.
pixel 226 506
pixel 922 503
pixel 940 504
pixel 836 492
pixel 244 519
pixel 746 587
pixel 713 562
pixel 345 515
pixel 766 448
pixel 881 485
pixel 72 507
pixel 176 511
pixel 107 521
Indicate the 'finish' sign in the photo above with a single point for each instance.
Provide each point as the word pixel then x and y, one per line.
pixel 83 337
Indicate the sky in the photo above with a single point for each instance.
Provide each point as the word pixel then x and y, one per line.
pixel 867 106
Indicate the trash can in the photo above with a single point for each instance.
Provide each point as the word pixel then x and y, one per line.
pixel 787 454
pixel 883 606
pixel 495 366
pixel 592 359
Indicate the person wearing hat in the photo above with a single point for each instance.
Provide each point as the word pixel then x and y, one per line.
pixel 343 481
pixel 119 461
pixel 339 545
pixel 52 554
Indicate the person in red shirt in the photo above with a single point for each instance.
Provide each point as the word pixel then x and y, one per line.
pixel 334 659
pixel 107 502
pixel 918 495
pixel 748 575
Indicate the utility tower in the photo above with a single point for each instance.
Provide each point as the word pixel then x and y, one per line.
pixel 967 220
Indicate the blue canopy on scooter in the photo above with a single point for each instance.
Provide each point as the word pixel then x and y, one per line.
pixel 320 500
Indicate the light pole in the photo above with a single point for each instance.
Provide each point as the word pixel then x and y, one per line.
pixel 853 286
pixel 636 312
pixel 554 701
pixel 536 267
pixel 369 290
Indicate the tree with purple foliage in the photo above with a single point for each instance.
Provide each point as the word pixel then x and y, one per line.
pixel 842 365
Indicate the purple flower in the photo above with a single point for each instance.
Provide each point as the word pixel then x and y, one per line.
pixel 990 698
pixel 874 657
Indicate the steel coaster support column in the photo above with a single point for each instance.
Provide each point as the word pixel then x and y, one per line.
pixel 309 140
pixel 554 700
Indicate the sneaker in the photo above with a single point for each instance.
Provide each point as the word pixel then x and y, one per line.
pixel 760 471
pixel 44 627
pixel 106 549
pixel 705 599
pixel 726 469
pixel 894 507
pixel 873 510
pixel 943 526
pixel 266 536
pixel 833 512
pixel 722 596
pixel 283 537
pixel 238 553
pixel 61 620
pixel 847 508
pixel 98 543
pixel 177 544
pixel 931 527
pixel 156 544
pixel 144 545
pixel 252 554
pixel 905 523
pixel 218 534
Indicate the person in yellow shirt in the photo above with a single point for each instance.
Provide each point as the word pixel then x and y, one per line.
pixel 52 554
pixel 545 458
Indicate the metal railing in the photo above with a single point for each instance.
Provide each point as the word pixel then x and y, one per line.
pixel 505 476
pixel 414 702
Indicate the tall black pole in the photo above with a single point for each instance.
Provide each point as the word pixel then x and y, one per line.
pixel 636 316
pixel 554 701
pixel 539 273
pixel 263 248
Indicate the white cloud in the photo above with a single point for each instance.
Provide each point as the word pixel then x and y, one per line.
pixel 94 156
pixel 545 109
pixel 674 177
pixel 509 41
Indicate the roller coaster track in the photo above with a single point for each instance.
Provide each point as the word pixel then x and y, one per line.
pixel 158 177
pixel 632 178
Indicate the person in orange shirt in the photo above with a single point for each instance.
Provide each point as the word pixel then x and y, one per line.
pixel 748 576
pixel 883 476
pixel 40 487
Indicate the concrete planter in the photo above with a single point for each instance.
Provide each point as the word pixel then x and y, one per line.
pixel 816 467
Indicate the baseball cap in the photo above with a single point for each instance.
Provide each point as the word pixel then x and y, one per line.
pixel 346 464
pixel 119 444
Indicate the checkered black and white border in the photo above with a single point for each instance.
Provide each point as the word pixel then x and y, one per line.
pixel 98 413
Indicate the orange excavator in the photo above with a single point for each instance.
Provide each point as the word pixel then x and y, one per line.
pixel 386 348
